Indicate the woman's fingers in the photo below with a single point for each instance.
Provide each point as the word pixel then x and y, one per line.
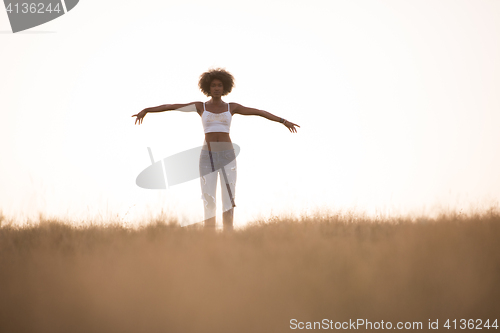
pixel 140 117
pixel 291 127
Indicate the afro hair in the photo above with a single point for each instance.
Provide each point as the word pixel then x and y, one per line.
pixel 218 73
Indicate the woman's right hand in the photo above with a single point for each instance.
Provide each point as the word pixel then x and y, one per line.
pixel 140 116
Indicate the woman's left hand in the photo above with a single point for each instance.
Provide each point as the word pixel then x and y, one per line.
pixel 291 126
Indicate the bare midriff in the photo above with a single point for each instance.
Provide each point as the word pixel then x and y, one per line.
pixel 217 141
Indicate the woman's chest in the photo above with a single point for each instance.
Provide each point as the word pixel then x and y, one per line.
pixel 210 117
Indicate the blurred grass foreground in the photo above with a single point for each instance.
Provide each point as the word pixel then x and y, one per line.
pixel 55 277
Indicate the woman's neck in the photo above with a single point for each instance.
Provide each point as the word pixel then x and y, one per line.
pixel 216 101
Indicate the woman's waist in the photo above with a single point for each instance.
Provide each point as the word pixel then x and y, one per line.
pixel 228 154
pixel 217 144
pixel 217 136
pixel 218 152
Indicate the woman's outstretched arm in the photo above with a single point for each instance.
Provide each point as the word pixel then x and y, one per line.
pixel 168 107
pixel 240 109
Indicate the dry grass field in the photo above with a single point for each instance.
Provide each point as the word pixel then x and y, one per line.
pixel 164 278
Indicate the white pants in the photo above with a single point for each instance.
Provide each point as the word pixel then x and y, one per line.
pixel 214 164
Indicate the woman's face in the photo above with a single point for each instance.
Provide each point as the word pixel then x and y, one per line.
pixel 216 88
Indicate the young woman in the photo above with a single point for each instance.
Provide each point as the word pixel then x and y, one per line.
pixel 217 156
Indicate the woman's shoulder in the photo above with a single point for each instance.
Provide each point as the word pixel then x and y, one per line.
pixel 233 107
pixel 199 107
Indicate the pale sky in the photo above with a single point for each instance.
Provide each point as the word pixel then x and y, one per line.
pixel 398 103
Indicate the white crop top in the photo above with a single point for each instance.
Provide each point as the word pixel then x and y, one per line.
pixel 216 122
